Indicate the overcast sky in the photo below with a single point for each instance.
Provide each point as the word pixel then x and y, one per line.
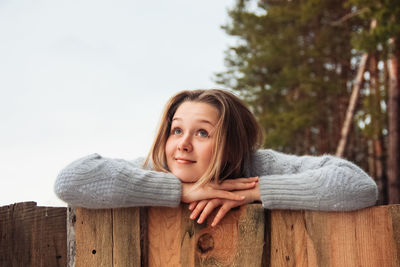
pixel 79 77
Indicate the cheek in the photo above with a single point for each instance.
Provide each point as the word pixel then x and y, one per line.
pixel 207 152
pixel 169 146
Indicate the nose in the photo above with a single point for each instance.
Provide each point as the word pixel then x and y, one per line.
pixel 185 144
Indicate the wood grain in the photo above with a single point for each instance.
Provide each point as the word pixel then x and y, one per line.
pixel 94 238
pixel 126 237
pixel 175 240
pixel 32 236
pixel 71 240
pixel 164 228
pixel 238 239
pixel 312 238
pixel 368 237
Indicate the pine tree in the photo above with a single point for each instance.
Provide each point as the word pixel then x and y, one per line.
pixel 295 63
pixel 384 42
pixel 292 64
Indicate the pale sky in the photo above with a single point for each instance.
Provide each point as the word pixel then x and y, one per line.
pixel 82 77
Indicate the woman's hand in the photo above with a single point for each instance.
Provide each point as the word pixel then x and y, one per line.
pixel 192 193
pixel 205 207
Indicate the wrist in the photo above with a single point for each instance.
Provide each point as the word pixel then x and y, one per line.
pixel 256 194
pixel 184 189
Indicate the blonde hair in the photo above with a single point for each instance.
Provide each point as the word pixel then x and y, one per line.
pixel 237 134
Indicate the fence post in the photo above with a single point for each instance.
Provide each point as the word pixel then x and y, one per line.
pixel 107 237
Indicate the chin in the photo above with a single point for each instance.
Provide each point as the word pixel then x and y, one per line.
pixel 185 178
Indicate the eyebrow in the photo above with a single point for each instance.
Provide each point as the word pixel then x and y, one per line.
pixel 201 121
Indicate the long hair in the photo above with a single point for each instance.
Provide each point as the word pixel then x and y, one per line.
pixel 237 134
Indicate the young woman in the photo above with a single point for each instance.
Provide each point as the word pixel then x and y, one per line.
pixel 206 153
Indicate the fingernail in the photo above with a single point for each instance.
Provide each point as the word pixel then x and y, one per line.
pixel 199 221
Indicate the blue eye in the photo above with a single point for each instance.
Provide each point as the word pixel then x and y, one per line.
pixel 176 131
pixel 202 133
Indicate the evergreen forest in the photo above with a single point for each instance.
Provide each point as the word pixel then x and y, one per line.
pixel 322 77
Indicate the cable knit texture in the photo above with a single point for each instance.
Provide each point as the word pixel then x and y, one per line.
pixel 313 183
pixel 286 182
pixel 98 182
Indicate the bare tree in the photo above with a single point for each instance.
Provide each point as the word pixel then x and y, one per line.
pixel 353 101
pixel 352 105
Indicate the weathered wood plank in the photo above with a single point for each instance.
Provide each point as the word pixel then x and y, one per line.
pixel 32 236
pixel 71 242
pixel 94 237
pixel 126 237
pixel 311 238
pixel 394 211
pixel 164 227
pixel 175 240
pixel 144 239
pixel 237 241
pixel 188 238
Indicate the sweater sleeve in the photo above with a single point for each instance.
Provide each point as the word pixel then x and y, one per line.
pixel 314 183
pixel 98 182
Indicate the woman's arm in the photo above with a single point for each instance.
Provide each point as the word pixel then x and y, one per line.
pixel 292 182
pixel 314 183
pixel 98 182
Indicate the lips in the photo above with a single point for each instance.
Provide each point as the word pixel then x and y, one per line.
pixel 184 161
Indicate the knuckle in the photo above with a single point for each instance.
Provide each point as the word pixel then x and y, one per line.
pixel 224 209
pixel 214 201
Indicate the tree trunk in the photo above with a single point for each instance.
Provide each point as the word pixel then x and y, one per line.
pixel 353 101
pixel 381 179
pixel 371 158
pixel 393 112
pixel 377 121
pixel 352 104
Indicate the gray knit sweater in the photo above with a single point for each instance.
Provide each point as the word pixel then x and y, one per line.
pixel 286 182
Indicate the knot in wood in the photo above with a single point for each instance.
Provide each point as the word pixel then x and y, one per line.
pixel 205 243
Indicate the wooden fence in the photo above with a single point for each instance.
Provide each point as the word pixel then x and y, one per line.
pixel 32 236
pixel 248 236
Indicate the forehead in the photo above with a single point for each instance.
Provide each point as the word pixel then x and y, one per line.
pixel 197 111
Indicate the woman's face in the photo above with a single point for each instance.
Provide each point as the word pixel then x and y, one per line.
pixel 191 140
